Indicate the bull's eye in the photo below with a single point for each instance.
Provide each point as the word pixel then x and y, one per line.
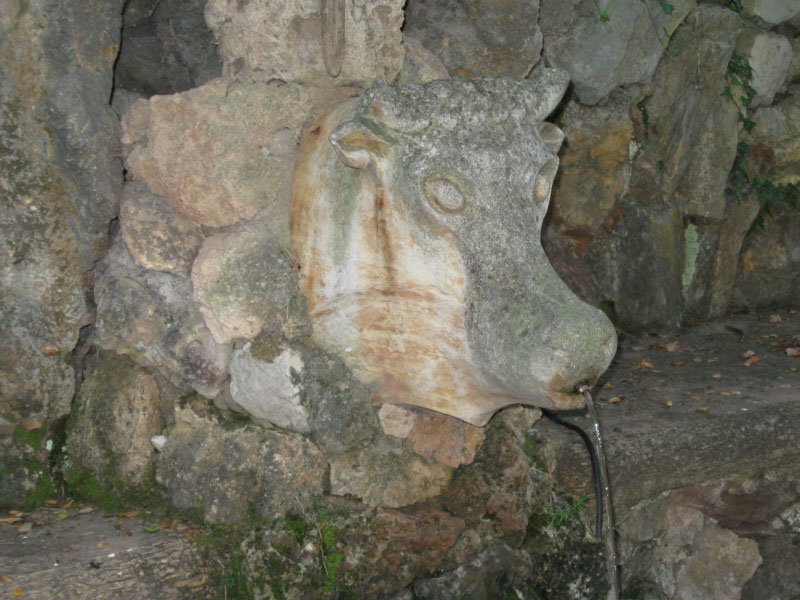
pixel 444 194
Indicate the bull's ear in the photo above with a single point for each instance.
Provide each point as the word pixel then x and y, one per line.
pixel 552 136
pixel 358 143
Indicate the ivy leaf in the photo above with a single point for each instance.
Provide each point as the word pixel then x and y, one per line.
pixel 666 7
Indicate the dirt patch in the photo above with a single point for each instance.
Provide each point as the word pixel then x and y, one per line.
pixel 73 551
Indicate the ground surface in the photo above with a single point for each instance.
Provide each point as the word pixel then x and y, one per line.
pixel 677 410
pixel 718 400
pixel 75 552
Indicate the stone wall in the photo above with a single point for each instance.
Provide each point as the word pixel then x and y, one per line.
pixel 156 339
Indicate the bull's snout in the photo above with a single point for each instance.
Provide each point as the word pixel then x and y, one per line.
pixel 543 343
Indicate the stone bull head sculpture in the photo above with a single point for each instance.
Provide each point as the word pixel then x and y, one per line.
pixel 416 218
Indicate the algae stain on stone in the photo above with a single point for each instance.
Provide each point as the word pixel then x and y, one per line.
pixel 689 266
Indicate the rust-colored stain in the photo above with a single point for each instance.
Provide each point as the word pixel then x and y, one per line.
pixel 392 310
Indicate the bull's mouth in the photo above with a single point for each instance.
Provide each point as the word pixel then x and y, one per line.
pixel 568 400
pixel 566 396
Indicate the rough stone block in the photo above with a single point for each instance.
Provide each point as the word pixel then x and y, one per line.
pixel 352 43
pixel 769 55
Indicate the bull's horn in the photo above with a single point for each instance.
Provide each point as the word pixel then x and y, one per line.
pixel 549 86
pixel 359 142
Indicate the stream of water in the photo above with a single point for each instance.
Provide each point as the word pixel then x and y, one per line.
pixel 609 541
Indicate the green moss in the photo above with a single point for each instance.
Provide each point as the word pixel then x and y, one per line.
pixel 298 526
pixel 45 487
pixel 32 438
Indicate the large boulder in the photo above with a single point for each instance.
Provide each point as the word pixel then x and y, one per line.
pixel 769 55
pixel 767 273
pixel 222 152
pixel 230 471
pixel 149 315
pixel 306 41
pixel 62 176
pixel 240 278
pixel 601 50
pixel 478 37
pixel 166 47
pixel 117 412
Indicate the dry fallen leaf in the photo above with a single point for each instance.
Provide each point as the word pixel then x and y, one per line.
pixel 668 402
pixel 678 363
pixel 607 386
pixel 746 354
pixel 672 346
pixel 716 376
pixel 25 527
pixel 774 318
pixel 643 364
pixel 615 400
pixel 702 410
pixel 17 591
pixel 793 351
pixel 5 579
pixel 750 361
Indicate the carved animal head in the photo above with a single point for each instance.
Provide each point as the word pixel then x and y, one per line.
pixel 416 219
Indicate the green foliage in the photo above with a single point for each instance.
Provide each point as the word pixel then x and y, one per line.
pixel 739 76
pixel 561 516
pixel 666 7
pixel 744 179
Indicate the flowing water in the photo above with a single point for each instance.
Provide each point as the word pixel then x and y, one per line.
pixel 608 531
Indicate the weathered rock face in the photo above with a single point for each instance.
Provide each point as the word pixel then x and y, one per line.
pixel 414 237
pixel 712 258
pixel 642 187
pixel 323 43
pixel 232 471
pixel 602 50
pixel 166 47
pixel 117 413
pixel 340 548
pixel 495 494
pixel 771 11
pixel 149 316
pixel 61 179
pixel 240 278
pixel 769 55
pixel 775 139
pixel 158 238
pixel 221 152
pixel 770 263
pixel 595 164
pixel 491 574
pixel 698 559
pixel 690 76
pixel 478 37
